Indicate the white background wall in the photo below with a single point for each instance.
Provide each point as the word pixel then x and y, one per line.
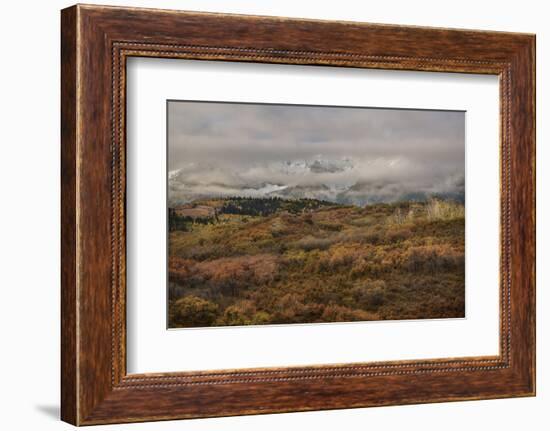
pixel 29 225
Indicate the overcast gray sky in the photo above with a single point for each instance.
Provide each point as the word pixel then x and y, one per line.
pixel 240 144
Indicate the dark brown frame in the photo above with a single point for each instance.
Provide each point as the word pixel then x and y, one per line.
pixel 95 42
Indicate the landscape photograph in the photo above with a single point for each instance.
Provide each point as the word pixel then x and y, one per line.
pixel 305 214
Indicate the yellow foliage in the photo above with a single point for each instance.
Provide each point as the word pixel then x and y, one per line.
pixel 331 264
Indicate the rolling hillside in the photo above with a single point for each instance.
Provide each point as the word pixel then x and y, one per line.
pixel 241 261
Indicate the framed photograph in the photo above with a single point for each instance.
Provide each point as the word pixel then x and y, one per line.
pixel 339 217
pixel 265 215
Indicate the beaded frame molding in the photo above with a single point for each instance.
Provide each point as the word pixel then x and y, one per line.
pixel 95 42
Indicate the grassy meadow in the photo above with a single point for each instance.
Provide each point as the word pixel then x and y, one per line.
pixel 254 261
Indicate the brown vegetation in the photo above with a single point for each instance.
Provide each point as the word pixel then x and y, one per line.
pixel 327 263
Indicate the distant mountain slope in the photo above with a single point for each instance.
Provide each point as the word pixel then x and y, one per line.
pixel 342 181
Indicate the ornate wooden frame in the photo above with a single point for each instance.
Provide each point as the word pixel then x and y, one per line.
pixel 96 41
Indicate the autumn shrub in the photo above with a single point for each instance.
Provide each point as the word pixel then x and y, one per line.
pixel 278 228
pixel 371 295
pixel 192 311
pixel 309 243
pixel 313 265
pixel 375 298
pixel 295 258
pixel 437 209
pixel 330 226
pixel 434 258
pixel 398 235
pixel 287 308
pixel 360 267
pixel 199 252
pixel 243 312
pixel 258 269
pixel 401 216
pixel 362 221
pixel 373 237
pixel 321 294
pixel 307 218
pixel 293 308
pixel 342 256
pixel 339 313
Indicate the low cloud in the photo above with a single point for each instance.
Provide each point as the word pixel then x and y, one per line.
pixel 221 148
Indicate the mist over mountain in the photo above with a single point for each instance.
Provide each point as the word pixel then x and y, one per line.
pixel 343 155
pixel 342 181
